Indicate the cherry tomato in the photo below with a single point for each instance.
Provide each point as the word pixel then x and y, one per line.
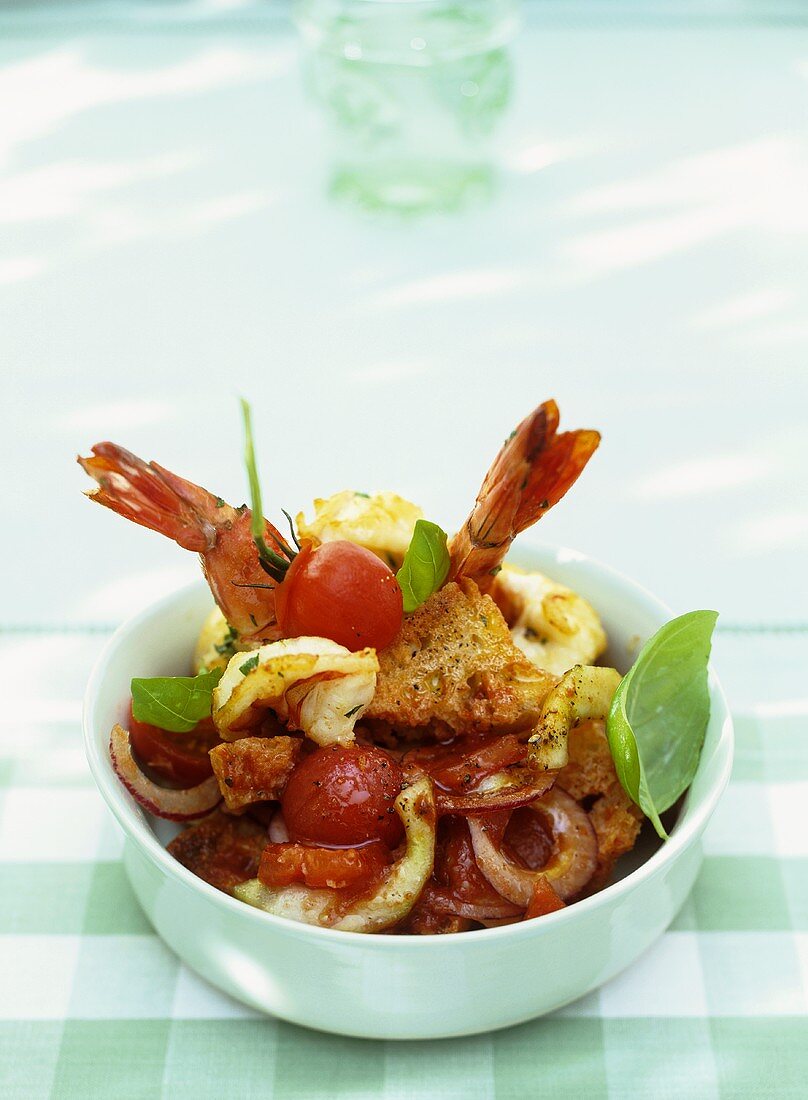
pixel 344 795
pixel 337 868
pixel 181 758
pixel 340 591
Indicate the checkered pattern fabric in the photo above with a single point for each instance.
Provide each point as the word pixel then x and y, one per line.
pixel 93 1004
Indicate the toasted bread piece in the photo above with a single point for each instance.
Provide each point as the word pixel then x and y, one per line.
pixel 254 769
pixel 221 849
pixel 589 776
pixel 454 666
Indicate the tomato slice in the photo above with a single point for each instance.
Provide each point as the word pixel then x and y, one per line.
pixel 179 758
pixel 466 761
pixel 456 868
pixel 282 864
pixel 543 900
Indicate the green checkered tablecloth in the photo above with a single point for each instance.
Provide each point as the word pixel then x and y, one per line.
pixel 93 1004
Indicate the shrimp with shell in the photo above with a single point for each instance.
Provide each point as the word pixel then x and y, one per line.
pixel 196 520
pixel 532 472
pixel 461 629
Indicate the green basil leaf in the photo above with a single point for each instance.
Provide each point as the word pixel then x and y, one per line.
pixel 425 566
pixel 174 703
pixel 659 714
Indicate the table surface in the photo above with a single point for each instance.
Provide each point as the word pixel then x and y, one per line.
pixel 169 241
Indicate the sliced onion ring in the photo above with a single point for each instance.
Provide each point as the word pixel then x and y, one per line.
pixel 506 790
pixel 570 867
pixel 446 902
pixel 174 805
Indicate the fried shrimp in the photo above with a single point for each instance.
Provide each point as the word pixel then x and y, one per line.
pixel 531 473
pixel 381 522
pixel 196 520
pixel 552 625
pixel 310 684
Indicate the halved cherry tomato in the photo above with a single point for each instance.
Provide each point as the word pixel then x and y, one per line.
pixel 340 591
pixel 282 864
pixel 543 900
pixel 344 795
pixel 181 758
pixel 464 762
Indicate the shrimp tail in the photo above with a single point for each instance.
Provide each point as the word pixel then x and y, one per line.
pixel 532 472
pixel 152 497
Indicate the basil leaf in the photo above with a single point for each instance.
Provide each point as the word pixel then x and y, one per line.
pixel 174 703
pixel 659 714
pixel 426 564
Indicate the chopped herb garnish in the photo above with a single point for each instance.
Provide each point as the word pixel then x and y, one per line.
pixel 227 646
pixel 354 710
pixel 219 502
pixel 295 539
pixel 249 665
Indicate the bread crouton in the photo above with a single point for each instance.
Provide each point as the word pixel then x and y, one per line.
pixel 454 667
pixel 254 769
pixel 590 778
pixel 220 849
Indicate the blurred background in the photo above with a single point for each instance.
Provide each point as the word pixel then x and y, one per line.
pixel 396 227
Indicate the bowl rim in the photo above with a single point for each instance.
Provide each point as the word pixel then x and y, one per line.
pixel 127 812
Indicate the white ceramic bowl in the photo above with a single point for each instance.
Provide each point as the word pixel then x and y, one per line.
pixel 403 987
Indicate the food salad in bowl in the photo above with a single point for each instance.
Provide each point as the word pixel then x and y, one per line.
pixel 386 730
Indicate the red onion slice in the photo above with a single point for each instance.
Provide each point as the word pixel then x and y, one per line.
pixel 569 869
pixel 446 902
pixel 506 790
pixel 174 805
